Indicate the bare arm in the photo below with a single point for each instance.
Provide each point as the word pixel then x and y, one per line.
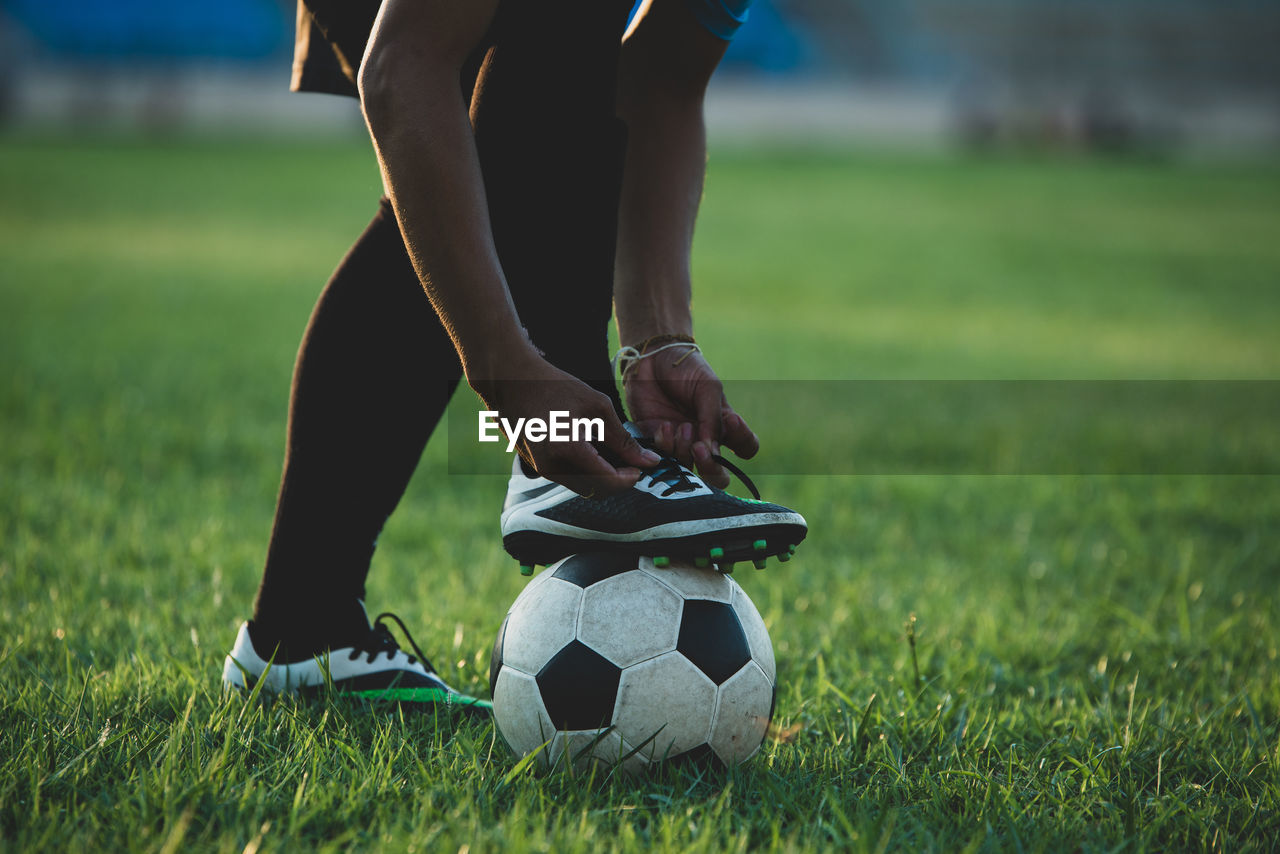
pixel 667 60
pixel 423 138
pixel 422 135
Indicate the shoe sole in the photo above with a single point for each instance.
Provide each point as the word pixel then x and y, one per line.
pixel 720 549
pixel 411 699
pixel 427 699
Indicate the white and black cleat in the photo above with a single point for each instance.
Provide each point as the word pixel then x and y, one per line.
pixel 670 514
pixel 374 669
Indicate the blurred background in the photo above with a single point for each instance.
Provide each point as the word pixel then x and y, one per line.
pixel 932 211
pixel 1165 75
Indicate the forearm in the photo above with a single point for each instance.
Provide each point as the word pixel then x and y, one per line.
pixel 667 60
pixel 409 89
pixel 425 147
pixel 661 191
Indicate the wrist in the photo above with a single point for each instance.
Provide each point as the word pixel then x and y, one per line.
pixel 652 304
pixel 671 326
pixel 507 355
pixel 656 342
pixel 629 356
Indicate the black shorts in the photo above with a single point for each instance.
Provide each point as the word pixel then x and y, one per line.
pixel 331 38
pixel 332 35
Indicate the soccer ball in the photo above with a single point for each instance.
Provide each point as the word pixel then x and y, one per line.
pixel 605 658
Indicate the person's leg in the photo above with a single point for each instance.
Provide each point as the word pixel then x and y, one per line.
pixel 552 149
pixel 374 374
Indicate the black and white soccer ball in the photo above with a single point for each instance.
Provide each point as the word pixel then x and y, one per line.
pixel 606 658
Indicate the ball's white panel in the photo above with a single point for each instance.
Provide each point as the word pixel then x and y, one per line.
pixel 518 710
pixel 690 581
pixel 629 618
pixel 634 762
pixel 585 747
pixel 742 715
pixel 533 584
pixel 757 634
pixel 669 696
pixel 541 625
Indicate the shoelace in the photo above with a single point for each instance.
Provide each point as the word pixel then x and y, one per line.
pixel 668 470
pixel 380 640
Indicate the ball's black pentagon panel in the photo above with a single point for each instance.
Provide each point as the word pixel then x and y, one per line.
pixel 586 569
pixel 495 658
pixel 712 638
pixel 579 688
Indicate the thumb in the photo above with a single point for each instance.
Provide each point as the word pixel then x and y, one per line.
pixel 625 446
pixel 708 406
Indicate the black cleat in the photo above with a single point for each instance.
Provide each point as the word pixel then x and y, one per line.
pixel 671 514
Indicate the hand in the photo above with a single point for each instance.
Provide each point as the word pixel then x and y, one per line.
pixel 675 397
pixel 533 389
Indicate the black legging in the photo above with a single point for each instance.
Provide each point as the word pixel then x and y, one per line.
pixel 376 370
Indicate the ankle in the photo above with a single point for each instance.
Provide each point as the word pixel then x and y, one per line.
pixel 307 632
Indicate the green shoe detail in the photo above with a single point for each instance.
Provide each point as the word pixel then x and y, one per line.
pixel 404 695
pixel 759 545
pixel 526 569
pixel 430 696
pixel 784 557
pixel 662 562
pixel 462 701
pixel 759 562
pixel 702 562
pixel 716 552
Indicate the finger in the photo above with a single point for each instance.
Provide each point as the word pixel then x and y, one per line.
pixel 665 436
pixel 683 445
pixel 661 432
pixel 622 443
pixel 708 469
pixel 737 436
pixel 580 467
pixel 708 406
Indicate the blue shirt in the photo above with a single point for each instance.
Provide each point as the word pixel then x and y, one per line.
pixel 721 17
pixel 325 59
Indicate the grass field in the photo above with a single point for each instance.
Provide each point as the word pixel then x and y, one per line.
pixel 1095 658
